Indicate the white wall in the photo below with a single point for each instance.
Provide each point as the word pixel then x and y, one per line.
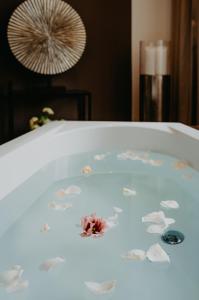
pixel 151 20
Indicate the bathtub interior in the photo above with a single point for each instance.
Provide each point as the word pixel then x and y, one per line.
pixel 55 159
pixel 21 158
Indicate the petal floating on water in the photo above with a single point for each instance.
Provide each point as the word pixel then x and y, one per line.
pixel 113 218
pixel 155 162
pixel 11 280
pixel 59 206
pixel 73 190
pixel 100 156
pixel 60 193
pixel 156 228
pixel 154 217
pixel 128 155
pixel 51 263
pixel 112 221
pixel 118 210
pixel 169 204
pixel 133 155
pixel 45 228
pixel 87 170
pixel 161 223
pixel 17 286
pixel 181 164
pixel 9 276
pixel 157 254
pixel 128 192
pixel 101 288
pixel 135 254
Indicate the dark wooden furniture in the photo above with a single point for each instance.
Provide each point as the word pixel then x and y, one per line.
pixel 82 97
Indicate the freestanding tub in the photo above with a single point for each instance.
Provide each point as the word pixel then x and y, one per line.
pixel 23 157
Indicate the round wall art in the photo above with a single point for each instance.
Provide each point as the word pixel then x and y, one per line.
pixel 46 36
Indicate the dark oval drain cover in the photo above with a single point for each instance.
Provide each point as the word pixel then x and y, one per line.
pixel 173 237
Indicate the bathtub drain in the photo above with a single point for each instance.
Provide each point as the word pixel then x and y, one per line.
pixel 173 237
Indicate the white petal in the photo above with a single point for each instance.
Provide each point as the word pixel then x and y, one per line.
pixel 7 277
pixel 113 218
pixel 110 222
pixel 45 228
pixel 51 263
pixel 117 210
pixel 18 286
pixel 100 156
pixel 73 190
pixel 128 192
pixel 170 204
pixel 155 163
pixel 157 254
pixel 156 228
pixel 135 254
pixel 59 206
pixel 160 228
pixel 126 155
pixel 169 221
pixel 154 217
pixel 160 222
pixel 11 280
pixel 130 155
pixel 101 288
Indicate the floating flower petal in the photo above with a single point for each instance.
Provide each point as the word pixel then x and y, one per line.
pixel 17 286
pixel 160 220
pixel 128 192
pixel 45 228
pixel 11 275
pixel 71 190
pixel 101 288
pixel 128 155
pixel 60 193
pixel 169 204
pixel 11 280
pixel 133 155
pixel 87 170
pixel 157 254
pixel 59 206
pixel 181 164
pixel 135 254
pixel 100 157
pixel 112 221
pixel 113 218
pixel 155 162
pixel 156 228
pixel 154 217
pixel 51 263
pixel 118 210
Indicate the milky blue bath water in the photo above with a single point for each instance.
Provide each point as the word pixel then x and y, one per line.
pixel 25 211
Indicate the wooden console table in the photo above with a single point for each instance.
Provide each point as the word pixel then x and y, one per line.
pixel 83 100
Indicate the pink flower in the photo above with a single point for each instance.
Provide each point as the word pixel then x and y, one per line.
pixel 93 226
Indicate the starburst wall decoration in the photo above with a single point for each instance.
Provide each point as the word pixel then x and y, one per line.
pixel 46 36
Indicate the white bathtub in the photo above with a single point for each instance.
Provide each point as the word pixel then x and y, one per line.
pixel 37 168
pixel 22 157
